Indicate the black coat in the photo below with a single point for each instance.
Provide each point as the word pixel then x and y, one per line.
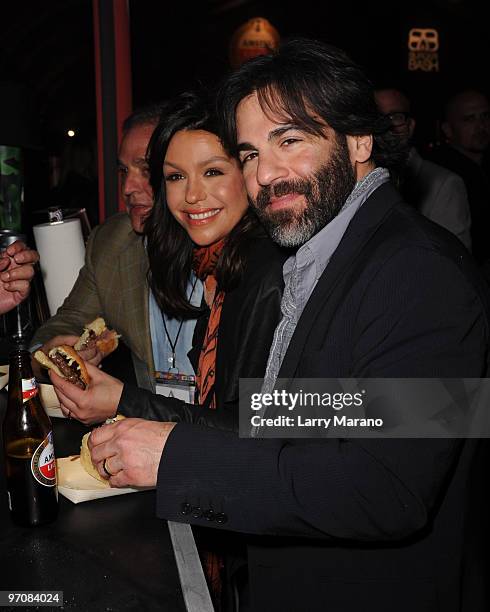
pixel 344 525
pixel 249 317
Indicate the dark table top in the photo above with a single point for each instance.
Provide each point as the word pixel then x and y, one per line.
pixel 106 554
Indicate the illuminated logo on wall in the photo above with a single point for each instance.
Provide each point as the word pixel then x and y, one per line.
pixel 256 37
pixel 423 47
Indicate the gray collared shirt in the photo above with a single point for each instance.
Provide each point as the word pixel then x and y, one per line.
pixel 303 270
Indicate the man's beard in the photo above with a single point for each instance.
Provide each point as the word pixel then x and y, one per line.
pixel 325 192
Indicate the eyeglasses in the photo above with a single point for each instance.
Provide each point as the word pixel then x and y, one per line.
pixel 398 119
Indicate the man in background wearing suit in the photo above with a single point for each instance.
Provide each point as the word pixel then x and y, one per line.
pixel 436 192
pixel 113 283
pixel 372 290
pixel 466 151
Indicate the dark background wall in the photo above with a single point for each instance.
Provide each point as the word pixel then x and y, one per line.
pixel 182 46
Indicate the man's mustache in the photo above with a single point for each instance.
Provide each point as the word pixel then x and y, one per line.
pixel 278 190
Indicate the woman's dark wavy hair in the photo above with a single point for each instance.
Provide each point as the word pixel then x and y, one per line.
pixel 170 250
pixel 305 77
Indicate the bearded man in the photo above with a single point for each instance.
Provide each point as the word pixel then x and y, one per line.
pixel 373 290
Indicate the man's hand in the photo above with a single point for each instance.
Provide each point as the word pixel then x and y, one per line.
pixel 92 355
pixel 132 449
pixel 16 272
pixel 93 405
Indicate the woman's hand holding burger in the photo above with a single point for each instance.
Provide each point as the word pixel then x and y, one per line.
pixel 92 405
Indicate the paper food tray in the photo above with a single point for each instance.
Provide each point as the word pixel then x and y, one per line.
pixel 75 484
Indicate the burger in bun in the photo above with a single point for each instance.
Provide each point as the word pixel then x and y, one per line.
pixel 97 334
pixel 85 458
pixel 67 363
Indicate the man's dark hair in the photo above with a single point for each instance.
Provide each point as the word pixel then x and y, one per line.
pixel 170 250
pixel 304 78
pixel 145 115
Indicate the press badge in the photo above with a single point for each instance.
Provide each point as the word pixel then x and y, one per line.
pixel 180 386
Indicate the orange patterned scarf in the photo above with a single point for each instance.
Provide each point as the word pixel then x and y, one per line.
pixel 204 263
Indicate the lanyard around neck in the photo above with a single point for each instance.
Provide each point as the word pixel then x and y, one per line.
pixel 173 344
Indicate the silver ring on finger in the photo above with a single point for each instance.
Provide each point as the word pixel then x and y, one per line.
pixel 104 467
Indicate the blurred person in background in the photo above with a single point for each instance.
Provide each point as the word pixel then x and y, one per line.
pixel 436 192
pixel 466 128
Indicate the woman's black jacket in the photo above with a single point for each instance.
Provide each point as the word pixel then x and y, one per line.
pixel 249 317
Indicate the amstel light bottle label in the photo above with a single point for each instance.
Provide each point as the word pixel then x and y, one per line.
pixel 29 389
pixel 43 462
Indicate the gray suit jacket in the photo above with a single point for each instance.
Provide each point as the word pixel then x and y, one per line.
pixel 112 284
pixel 439 194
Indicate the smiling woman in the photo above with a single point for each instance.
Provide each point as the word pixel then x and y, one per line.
pixel 204 187
pixel 201 225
